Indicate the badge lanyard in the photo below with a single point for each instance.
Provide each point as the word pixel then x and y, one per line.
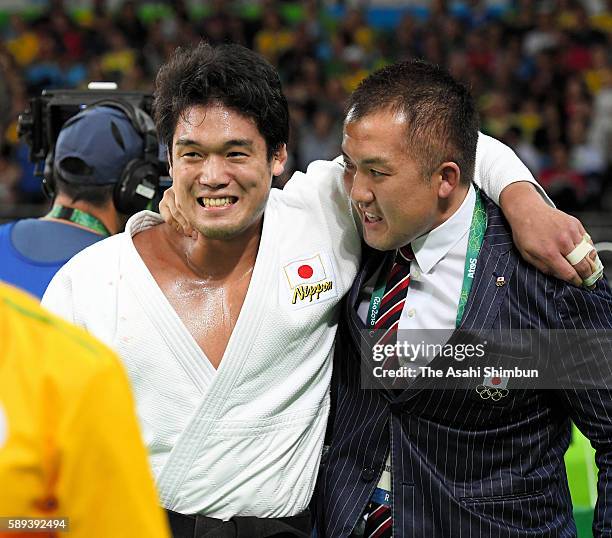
pixel 78 217
pixel 477 231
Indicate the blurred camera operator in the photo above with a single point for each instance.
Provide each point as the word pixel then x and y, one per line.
pixel 85 177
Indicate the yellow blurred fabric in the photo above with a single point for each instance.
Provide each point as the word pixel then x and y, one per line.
pixel 270 43
pixel 70 444
pixel 24 48
pixel 120 61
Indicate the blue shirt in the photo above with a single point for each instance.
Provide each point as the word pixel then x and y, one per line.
pixel 33 250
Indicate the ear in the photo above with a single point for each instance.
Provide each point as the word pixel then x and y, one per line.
pixel 279 159
pixel 447 177
pixel 169 157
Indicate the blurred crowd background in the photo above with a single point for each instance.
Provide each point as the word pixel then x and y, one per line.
pixel 540 70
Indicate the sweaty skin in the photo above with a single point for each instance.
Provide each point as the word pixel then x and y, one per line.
pixel 208 305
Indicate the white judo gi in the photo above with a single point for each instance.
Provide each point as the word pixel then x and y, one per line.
pixel 245 439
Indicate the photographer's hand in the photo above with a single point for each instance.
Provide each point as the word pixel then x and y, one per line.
pixel 172 215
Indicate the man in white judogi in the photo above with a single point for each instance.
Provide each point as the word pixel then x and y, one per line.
pixel 227 335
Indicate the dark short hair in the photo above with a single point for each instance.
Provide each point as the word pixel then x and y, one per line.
pixel 440 112
pixel 95 195
pixel 230 74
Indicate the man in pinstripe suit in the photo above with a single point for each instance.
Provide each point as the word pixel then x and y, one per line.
pixel 447 463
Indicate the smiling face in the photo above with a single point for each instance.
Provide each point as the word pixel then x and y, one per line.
pixel 395 201
pixel 220 171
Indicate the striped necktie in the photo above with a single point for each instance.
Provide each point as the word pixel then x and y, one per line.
pixel 393 300
pixel 379 521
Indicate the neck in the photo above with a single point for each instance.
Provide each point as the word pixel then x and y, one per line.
pixel 447 207
pixel 106 214
pixel 217 259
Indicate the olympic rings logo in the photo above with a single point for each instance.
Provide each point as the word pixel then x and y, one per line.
pixel 487 392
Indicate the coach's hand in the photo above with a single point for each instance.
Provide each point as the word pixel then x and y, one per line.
pixel 544 235
pixel 173 216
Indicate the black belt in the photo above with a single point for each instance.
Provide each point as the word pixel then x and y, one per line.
pixel 198 526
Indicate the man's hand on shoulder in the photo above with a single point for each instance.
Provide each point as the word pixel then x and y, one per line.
pixel 544 235
pixel 172 215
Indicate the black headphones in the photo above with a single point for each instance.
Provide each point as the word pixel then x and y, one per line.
pixel 139 182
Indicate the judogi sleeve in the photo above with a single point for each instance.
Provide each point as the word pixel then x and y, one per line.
pixel 497 166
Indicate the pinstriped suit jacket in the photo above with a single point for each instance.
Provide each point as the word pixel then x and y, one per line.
pixel 462 467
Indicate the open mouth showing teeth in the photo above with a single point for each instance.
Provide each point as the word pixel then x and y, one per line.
pixel 370 217
pixel 217 202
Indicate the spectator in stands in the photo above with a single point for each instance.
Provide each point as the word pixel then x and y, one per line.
pixel 585 157
pixel 221 25
pixel 523 148
pixel 544 36
pixel 9 177
pixel 91 154
pixel 44 72
pixel 22 42
pixel 600 71
pixel 120 58
pixel 600 130
pixel 275 38
pixel 130 25
pixel 319 139
pixel 602 20
pixel 68 39
pixel 565 185
pixel 497 116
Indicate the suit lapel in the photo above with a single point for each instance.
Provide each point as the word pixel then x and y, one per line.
pixel 360 336
pixel 372 260
pixel 496 260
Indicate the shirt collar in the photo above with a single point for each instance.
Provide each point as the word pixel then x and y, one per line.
pixel 431 247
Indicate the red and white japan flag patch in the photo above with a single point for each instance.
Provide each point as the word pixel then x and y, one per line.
pixel 307 271
pixel 309 280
